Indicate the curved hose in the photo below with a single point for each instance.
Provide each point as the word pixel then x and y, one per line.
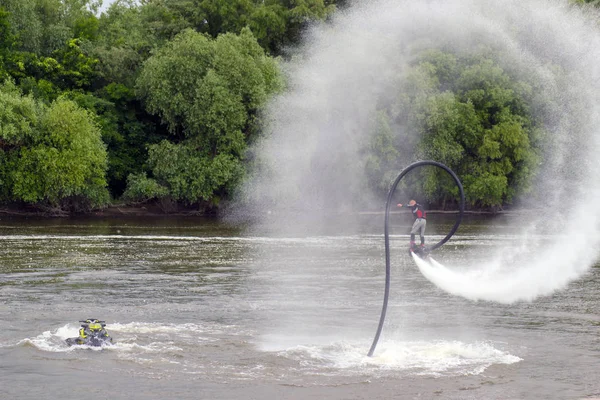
pixel 387 238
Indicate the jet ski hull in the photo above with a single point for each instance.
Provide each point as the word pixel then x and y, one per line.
pixel 90 341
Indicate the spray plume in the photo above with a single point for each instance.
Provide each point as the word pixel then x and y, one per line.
pixel 312 157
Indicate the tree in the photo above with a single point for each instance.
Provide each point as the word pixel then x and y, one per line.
pixel 123 43
pixel 126 130
pixel 276 24
pixel 50 155
pixel 7 43
pixel 208 92
pixel 25 24
pixel 43 26
pixel 472 116
pixel 180 173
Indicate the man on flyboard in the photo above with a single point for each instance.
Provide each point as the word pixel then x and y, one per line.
pixel 419 224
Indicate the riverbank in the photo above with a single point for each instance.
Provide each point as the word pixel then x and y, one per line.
pixel 142 210
pixel 156 210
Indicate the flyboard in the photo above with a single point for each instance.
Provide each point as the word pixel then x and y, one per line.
pixel 421 253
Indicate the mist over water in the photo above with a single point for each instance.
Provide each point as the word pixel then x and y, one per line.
pixel 313 155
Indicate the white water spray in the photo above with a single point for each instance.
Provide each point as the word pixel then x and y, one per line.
pixel 318 127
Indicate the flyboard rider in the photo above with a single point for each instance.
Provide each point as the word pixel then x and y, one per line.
pixel 420 222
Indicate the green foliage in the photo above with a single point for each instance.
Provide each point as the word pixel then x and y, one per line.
pixel 49 154
pixel 46 77
pixel 45 51
pixel 25 23
pixel 208 92
pixel 472 116
pixel 300 13
pixel 7 39
pixel 123 131
pixel 66 158
pixel 196 72
pixel 142 188
pixel 207 87
pixel 73 68
pixel 7 44
pixel 86 28
pixel 184 175
pixel 19 116
pixel 181 80
pixel 44 26
pixel 123 43
pixel 275 23
pixel 220 16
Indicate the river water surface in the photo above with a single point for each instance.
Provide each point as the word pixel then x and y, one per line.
pixel 204 310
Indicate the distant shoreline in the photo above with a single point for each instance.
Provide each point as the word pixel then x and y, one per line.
pixel 155 210
pixel 146 210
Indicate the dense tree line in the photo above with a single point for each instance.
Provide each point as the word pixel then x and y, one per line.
pixel 158 99
pixel 173 88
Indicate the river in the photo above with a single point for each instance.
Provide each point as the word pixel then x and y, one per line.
pixel 200 309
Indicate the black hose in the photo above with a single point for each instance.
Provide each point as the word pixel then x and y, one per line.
pixel 387 235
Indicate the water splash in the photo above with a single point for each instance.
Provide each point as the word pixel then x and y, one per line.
pixel 318 128
pixel 132 337
pixel 436 358
pixel 491 281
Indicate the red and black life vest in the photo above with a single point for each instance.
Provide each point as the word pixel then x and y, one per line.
pixel 419 212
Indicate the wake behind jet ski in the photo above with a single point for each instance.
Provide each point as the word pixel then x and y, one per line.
pixel 91 333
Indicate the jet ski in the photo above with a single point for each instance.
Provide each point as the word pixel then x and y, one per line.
pixel 91 333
